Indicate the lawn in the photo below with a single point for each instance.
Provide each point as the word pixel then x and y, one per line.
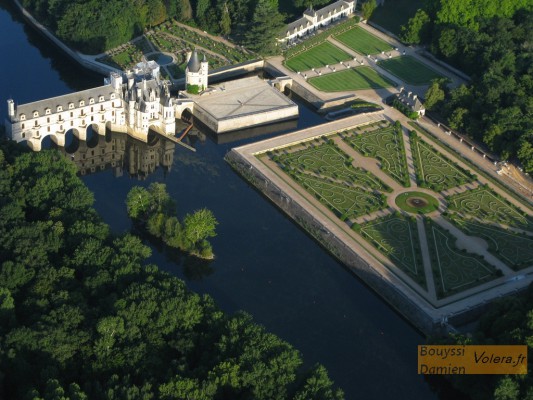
pixel 453 269
pixel 514 249
pixel 393 14
pixel 316 57
pixel 386 145
pixel 434 170
pixel 410 70
pixel 358 78
pixel 396 237
pixel 417 202
pixel 363 42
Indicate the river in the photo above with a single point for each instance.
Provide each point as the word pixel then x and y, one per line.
pixel 265 264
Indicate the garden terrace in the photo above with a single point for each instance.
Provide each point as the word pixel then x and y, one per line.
pixel 454 270
pixel 128 55
pixel 318 56
pixel 195 39
pixel 410 70
pixel 358 78
pixel 433 169
pixel 485 204
pixel 385 145
pixel 362 42
pixel 396 237
pixel 514 249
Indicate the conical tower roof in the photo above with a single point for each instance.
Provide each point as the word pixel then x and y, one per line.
pixel 194 63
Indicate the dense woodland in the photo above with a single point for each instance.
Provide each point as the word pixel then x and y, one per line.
pixel 83 317
pixel 490 40
pixel 93 26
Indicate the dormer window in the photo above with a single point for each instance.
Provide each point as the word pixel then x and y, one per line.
pixel 112 95
pixel 101 98
pixel 59 108
pixel 82 103
pixel 35 114
pixel 23 117
pixel 47 111
pixel 91 101
pixel 70 106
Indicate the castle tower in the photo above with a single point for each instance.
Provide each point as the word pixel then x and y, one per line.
pixel 196 73
pixel 11 109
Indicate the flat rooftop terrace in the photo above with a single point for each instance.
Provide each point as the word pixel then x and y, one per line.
pixel 242 103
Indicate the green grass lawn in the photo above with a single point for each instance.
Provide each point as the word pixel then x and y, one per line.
pixel 410 70
pixel 316 57
pixel 429 203
pixel 393 14
pixel 363 42
pixel 351 79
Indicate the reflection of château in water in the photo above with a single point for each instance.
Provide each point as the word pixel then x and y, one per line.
pixel 120 152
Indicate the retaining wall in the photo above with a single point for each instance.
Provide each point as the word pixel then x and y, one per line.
pixel 405 306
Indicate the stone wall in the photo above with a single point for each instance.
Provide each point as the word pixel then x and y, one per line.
pixel 401 303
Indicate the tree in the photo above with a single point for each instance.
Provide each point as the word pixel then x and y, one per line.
pixel 225 21
pixel 266 25
pixel 138 202
pixel 200 225
pixel 525 153
pixel 417 30
pixel 434 96
pixel 368 8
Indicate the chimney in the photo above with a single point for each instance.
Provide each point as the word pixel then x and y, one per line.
pixel 414 96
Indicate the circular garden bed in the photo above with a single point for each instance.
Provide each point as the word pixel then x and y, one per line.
pixel 417 202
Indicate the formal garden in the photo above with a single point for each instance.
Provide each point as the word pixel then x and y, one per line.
pixel 485 204
pixel 362 42
pixel 396 236
pixel 386 145
pixel 390 217
pixel 355 78
pixel 454 270
pixel 434 170
pixel 409 70
pixel 513 248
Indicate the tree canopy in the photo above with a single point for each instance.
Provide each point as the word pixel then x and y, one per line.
pixel 82 316
pixel 491 41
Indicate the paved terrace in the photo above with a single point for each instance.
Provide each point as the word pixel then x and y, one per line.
pixel 426 302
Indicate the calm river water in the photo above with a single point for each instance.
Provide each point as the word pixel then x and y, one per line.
pixel 265 264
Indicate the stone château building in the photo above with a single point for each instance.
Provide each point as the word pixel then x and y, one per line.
pixel 141 103
pixel 313 20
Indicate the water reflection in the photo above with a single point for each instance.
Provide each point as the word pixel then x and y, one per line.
pixel 121 153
